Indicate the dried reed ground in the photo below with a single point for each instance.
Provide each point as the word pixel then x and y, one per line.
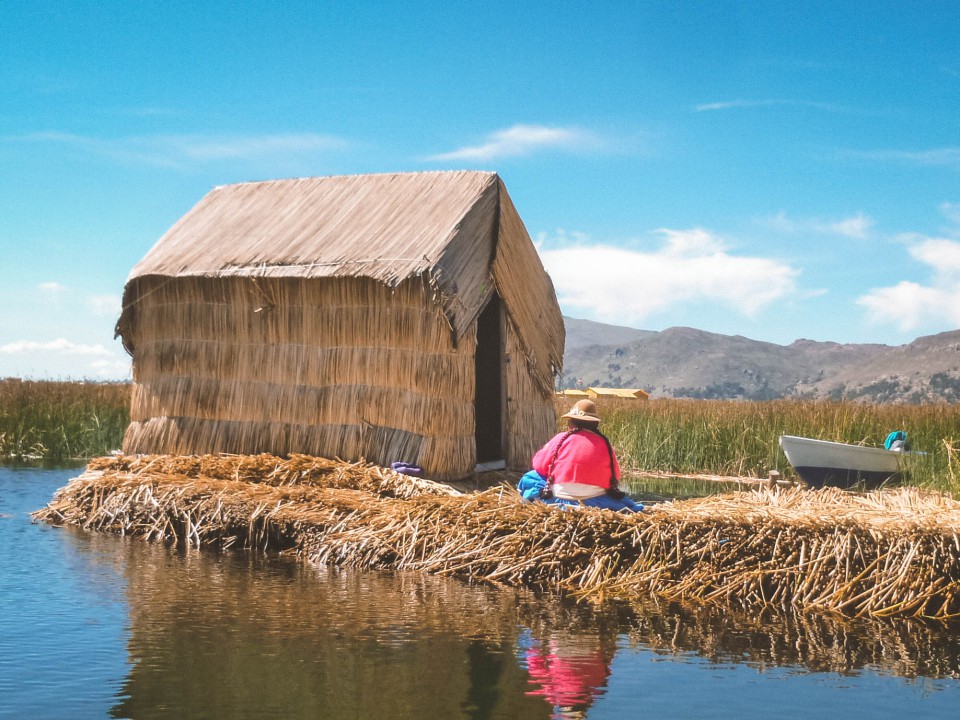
pixel 887 553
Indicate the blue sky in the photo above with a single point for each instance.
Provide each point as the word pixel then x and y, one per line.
pixel 744 168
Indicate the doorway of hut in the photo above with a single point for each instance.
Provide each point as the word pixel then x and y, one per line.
pixel 488 399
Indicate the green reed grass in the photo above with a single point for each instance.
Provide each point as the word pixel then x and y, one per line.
pixel 738 438
pixel 56 421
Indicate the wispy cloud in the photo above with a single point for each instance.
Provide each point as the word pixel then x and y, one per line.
pixel 105 305
pixel 228 148
pixel 183 150
pixel 742 104
pixel 150 111
pixel 932 156
pixel 856 226
pixel 691 266
pixel 60 345
pixel 521 140
pixel 951 211
pixel 63 359
pixel 111 369
pixel 51 289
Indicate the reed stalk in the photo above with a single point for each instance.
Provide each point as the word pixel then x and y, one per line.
pixel 893 553
pixel 57 421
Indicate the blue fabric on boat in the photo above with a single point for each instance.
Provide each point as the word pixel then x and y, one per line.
pixel 897 436
pixel 532 483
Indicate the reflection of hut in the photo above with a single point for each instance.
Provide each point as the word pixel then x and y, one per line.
pixel 237 636
pixel 387 317
pixel 628 393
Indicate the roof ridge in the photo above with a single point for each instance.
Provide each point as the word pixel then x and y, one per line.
pixel 488 173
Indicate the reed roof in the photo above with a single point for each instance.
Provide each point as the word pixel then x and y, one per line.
pixel 458 230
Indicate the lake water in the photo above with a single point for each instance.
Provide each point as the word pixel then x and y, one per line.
pixel 98 626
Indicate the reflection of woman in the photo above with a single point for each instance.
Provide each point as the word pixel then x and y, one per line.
pixel 578 466
pixel 568 672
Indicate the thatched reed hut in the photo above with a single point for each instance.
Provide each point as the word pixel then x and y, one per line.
pixel 396 317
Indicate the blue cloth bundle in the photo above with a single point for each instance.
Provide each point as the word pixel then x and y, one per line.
pixel 531 486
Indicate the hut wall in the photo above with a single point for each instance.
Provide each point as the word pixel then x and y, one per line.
pixel 341 367
pixel 531 418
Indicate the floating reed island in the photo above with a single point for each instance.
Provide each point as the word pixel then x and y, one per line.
pixel 890 553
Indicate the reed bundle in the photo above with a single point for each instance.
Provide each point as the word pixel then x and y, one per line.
pixel 340 317
pixel 272 470
pixel 889 553
pixel 340 368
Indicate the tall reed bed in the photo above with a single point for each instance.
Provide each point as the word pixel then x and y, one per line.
pixel 737 438
pixel 57 421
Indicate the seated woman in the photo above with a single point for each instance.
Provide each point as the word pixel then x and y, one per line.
pixel 578 466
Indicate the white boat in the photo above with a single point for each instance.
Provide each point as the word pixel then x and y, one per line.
pixel 821 462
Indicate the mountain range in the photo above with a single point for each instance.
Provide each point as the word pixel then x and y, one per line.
pixel 684 362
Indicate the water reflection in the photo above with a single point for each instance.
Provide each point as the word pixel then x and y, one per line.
pixel 568 670
pixel 240 636
pixel 816 643
pixel 232 635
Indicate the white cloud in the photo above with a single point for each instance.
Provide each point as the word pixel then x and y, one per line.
pixel 63 359
pixel 856 226
pixel 184 150
pixel 738 104
pixel 60 345
pixel 111 369
pixel 910 305
pixel 228 148
pixel 522 140
pixel 106 305
pixel 561 237
pixel 779 223
pixel 621 285
pixel 942 255
pixel 52 289
pixel 951 211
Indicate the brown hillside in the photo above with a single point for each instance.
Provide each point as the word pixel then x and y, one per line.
pixel 685 362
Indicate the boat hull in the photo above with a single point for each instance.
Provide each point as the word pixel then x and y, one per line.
pixel 822 463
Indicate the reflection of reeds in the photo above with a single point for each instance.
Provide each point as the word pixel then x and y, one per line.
pixel 288 601
pixel 891 553
pixel 818 642
pixel 44 420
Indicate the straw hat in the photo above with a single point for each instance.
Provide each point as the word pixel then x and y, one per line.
pixel 583 410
